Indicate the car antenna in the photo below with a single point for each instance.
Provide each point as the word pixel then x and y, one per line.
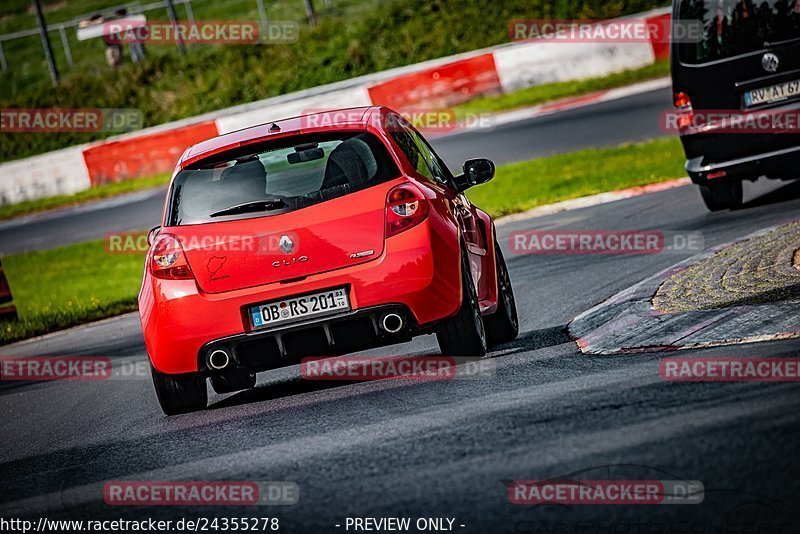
pixel 274 128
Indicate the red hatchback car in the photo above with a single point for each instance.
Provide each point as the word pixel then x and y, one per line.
pixel 312 236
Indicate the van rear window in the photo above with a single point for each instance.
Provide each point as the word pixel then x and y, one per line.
pixel 735 27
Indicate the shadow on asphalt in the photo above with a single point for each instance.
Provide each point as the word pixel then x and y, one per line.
pixel 791 191
pixel 539 339
pixel 278 390
pixel 12 386
pixel 112 459
pixel 533 340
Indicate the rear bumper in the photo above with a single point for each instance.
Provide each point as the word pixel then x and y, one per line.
pixel 348 332
pixel 784 164
pixel 417 274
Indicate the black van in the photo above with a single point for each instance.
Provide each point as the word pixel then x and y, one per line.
pixel 745 60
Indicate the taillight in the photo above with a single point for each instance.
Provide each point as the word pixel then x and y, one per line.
pixel 683 104
pixel 406 207
pixel 167 259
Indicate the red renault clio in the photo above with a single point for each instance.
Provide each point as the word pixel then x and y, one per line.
pixel 312 236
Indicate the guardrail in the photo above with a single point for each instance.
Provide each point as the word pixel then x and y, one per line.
pixel 62 27
pixel 133 8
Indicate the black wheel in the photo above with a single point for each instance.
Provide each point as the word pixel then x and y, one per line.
pixel 180 393
pixel 503 325
pixel 233 381
pixel 464 334
pixel 722 195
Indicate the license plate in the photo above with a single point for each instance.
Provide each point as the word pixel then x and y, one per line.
pixel 774 93
pixel 293 309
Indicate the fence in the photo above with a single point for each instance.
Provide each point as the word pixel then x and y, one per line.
pixel 64 40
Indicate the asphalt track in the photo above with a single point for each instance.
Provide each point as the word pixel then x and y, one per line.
pixel 441 448
pixel 633 118
pixel 435 449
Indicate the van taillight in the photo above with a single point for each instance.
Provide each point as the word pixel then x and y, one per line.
pixel 167 259
pixel 683 104
pixel 406 207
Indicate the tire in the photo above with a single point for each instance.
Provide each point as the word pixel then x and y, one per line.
pixel 722 195
pixel 503 325
pixel 233 381
pixel 464 334
pixel 180 393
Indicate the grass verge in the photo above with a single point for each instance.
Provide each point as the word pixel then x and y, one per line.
pixel 541 94
pixel 67 286
pixel 522 186
pixel 103 191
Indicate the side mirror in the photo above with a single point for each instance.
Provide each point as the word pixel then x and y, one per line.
pixel 151 235
pixel 476 171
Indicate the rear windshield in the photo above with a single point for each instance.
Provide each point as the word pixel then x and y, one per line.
pixel 283 176
pixel 735 27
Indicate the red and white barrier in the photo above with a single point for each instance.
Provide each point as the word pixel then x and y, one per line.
pixel 342 98
pixel 62 172
pixel 438 83
pixel 143 155
pixel 440 86
pixel 660 49
pixel 535 63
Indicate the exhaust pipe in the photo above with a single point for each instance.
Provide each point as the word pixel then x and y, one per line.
pixel 218 359
pixel 392 323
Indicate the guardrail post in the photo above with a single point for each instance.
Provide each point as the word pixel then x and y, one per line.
pixel 189 11
pixel 65 43
pixel 48 50
pixel 262 13
pixel 310 12
pixel 173 18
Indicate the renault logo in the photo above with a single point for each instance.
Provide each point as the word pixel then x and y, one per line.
pixel 770 62
pixel 286 244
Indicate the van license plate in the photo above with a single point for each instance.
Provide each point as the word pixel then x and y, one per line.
pixel 772 94
pixel 294 309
